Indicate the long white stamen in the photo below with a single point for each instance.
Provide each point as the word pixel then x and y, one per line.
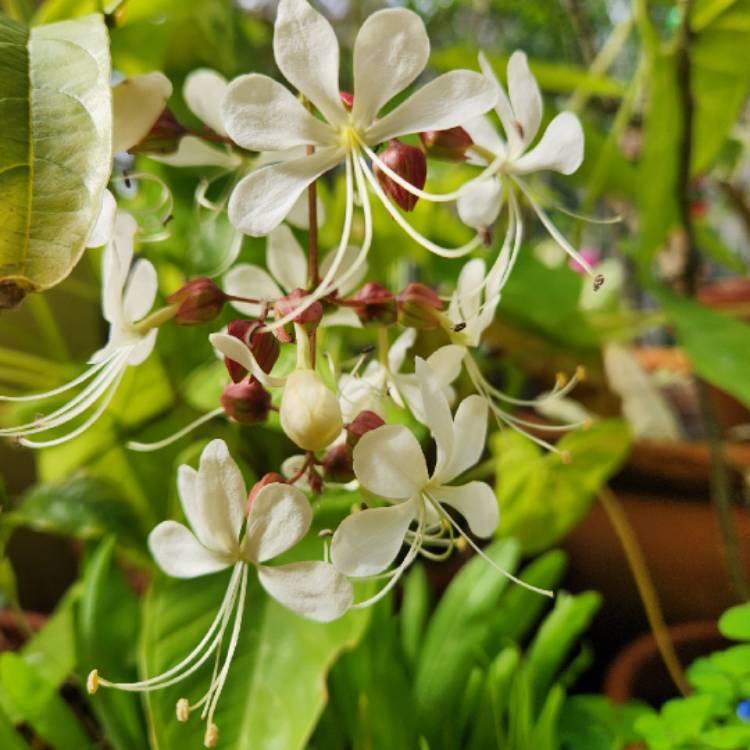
pixel 157 682
pixel 555 233
pixel 439 508
pixel 443 252
pixel 85 425
pixel 81 403
pixel 82 378
pixel 232 648
pixel 146 447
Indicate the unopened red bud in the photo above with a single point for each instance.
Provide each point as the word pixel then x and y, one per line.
pixel 366 421
pixel 449 145
pixel 271 478
pixel 163 138
pixel 338 463
pixel 263 345
pixel 310 317
pixel 347 99
pixel 246 402
pixel 418 307
pixel 378 304
pixel 409 163
pixel 315 481
pixel 200 301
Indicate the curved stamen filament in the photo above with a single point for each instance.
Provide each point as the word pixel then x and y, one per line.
pixel 174 437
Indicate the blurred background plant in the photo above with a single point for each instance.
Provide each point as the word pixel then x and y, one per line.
pixel 649 502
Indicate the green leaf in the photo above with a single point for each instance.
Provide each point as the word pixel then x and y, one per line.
pixel 414 612
pixel 592 722
pixel 555 639
pixel 39 705
pixel 84 507
pixel 275 690
pixel 107 634
pixel 716 344
pixel 735 623
pixel 457 635
pixel 55 148
pixel 9 738
pixel 541 497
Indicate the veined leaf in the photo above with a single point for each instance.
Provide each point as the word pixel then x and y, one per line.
pixel 55 148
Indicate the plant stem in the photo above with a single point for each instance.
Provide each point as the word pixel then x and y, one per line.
pixel 721 494
pixel 645 584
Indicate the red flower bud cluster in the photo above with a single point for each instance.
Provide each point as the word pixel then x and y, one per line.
pixel 448 145
pixel 263 345
pixel 409 163
pixel 419 307
pixel 376 304
pixel 199 301
pixel 309 318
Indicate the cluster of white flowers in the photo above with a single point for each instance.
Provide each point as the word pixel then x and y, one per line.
pixel 339 420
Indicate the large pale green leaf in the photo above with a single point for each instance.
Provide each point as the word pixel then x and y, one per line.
pixel 55 148
pixel 717 345
pixel 276 687
pixel 541 497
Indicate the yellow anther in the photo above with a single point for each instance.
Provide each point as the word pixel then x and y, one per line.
pixel 460 544
pixel 566 457
pixel 561 379
pixel 587 424
pixel 92 681
pixel 212 736
pixel 581 372
pixel 183 709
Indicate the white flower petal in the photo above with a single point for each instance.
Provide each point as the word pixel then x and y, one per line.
pixel 390 51
pixel 279 517
pixel 397 352
pixel 437 414
pixel 222 496
pixel 358 394
pixel 560 148
pixel 195 152
pixel 262 115
pixel 261 200
pixel 350 256
pixel 140 291
pixel 101 232
pixel 525 97
pixel 449 100
pixel 246 280
pixel 307 53
pixel 470 433
pixel 467 299
pixel 142 350
pixel 315 590
pixel 483 133
pixel 343 316
pixel 446 362
pixel 285 259
pixel 179 554
pixel 502 106
pixel 136 105
pixel 367 542
pixel 299 216
pixel 203 91
pixel 116 261
pixel 476 502
pixel 389 462
pixel 480 202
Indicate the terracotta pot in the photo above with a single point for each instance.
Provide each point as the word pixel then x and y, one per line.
pixel 638 671
pixel 681 544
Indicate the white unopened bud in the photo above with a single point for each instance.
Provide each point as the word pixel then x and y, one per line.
pixel 480 202
pixel 310 413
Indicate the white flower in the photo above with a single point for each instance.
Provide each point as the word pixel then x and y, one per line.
pixel 214 499
pixel 380 381
pixel 287 263
pixel 137 103
pixel 507 160
pixel 128 293
pixel 260 114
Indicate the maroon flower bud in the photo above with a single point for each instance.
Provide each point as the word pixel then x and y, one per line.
pixel 338 463
pixel 246 402
pixel 163 138
pixel 271 478
pixel 449 145
pixel 263 345
pixel 200 301
pixel 347 99
pixel 364 422
pixel 309 318
pixel 315 481
pixel 377 304
pixel 407 162
pixel 418 307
